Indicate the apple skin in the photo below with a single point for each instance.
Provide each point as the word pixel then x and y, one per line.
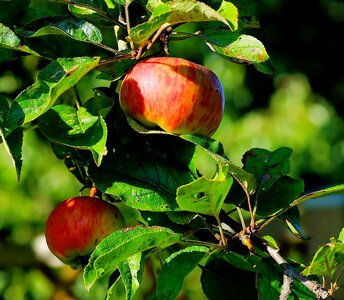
pixel 77 225
pixel 177 95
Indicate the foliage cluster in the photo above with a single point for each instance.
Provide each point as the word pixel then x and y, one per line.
pixel 183 219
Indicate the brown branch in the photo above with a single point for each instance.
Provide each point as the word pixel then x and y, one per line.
pixel 289 271
pixel 286 287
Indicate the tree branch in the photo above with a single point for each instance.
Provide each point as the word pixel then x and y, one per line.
pixel 289 271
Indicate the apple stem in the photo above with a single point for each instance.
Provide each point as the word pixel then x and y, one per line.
pixel 148 44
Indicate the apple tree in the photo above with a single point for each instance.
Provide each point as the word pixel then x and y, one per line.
pixel 183 219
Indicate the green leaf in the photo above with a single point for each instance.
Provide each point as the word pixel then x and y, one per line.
pixel 172 13
pixel 279 196
pixel 292 218
pixel 140 182
pixel 113 281
pixel 132 273
pixel 267 166
pixel 123 244
pixel 231 13
pixel 326 259
pixel 78 128
pixel 205 196
pixel 269 281
pixel 10 41
pixel 333 190
pixel 246 262
pixel 239 48
pixel 220 279
pixel 95 4
pixel 51 83
pixel 215 150
pixel 176 268
pixel 4 106
pixel 341 236
pixel 10 9
pixel 96 17
pixel 75 28
pixel 13 144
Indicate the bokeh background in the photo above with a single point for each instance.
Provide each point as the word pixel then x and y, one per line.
pixel 301 107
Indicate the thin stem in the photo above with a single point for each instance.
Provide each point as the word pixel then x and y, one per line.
pixel 187 35
pixel 241 219
pixel 127 20
pixel 77 97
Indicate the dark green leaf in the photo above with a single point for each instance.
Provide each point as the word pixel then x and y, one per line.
pixel 205 196
pixel 66 125
pixel 75 28
pixel 279 196
pixel 269 281
pixel 176 268
pixel 245 262
pixel 132 272
pixel 51 82
pixel 10 9
pixel 13 144
pixel 267 166
pixel 220 279
pixel 99 105
pixel 172 13
pixel 239 48
pixel 4 106
pixel 116 70
pixel 113 281
pixel 123 244
pixel 140 182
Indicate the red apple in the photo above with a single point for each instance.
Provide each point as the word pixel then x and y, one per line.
pixel 175 94
pixel 77 225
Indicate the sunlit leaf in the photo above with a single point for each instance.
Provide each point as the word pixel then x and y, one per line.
pixel 326 259
pixel 75 28
pixel 123 244
pixel 51 82
pixel 292 218
pixel 205 196
pixel 239 48
pixel 172 13
pixel 215 150
pixel 9 40
pixel 333 190
pixel 132 273
pixel 175 269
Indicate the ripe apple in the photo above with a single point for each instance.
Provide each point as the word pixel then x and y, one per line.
pixel 77 225
pixel 175 94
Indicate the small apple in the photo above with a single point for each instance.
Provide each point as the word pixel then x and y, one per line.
pixel 175 94
pixel 77 225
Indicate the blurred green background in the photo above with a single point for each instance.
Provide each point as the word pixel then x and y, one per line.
pixel 301 107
